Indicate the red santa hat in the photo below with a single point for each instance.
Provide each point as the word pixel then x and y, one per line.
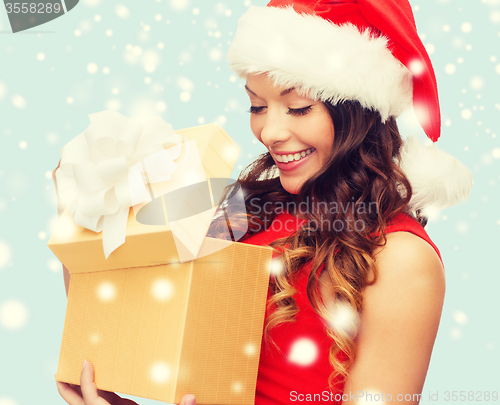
pixel 363 50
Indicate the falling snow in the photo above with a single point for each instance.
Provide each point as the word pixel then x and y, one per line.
pixel 162 289
pixel 179 4
pixel 466 27
pixel 450 68
pixel 161 106
pixel 416 67
pixel 160 372
pixel 106 291
pixel 215 54
pixel 237 386
pixel 7 401
pixel 466 114
pixel 5 254
pixel 19 101
pixel 185 96
pixel 303 352
pixel 430 48
pixel 54 265
pixel 92 68
pixel 460 317
pixel 250 349
pixel 122 11
pixel 150 61
pixel 13 314
pixel 276 266
pixel 343 319
pixel 3 90
pixel 477 83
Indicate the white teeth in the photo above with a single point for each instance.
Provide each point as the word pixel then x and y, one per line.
pixel 294 157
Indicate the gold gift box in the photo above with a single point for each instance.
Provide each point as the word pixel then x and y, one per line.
pixel 154 327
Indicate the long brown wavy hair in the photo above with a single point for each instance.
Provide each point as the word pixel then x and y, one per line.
pixel 362 170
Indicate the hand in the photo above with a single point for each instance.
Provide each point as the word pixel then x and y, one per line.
pixel 88 394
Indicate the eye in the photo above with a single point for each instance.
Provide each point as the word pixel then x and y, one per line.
pixel 299 111
pixel 255 110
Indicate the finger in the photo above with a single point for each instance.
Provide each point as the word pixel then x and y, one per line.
pixel 89 389
pixel 54 171
pixel 103 396
pixel 68 394
pixel 188 399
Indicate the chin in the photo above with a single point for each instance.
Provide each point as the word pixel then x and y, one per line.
pixel 291 187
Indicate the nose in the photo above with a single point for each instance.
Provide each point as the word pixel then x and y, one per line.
pixel 276 128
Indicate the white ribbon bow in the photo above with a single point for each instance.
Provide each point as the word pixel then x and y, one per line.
pixel 94 176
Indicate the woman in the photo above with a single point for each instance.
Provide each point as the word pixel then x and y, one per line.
pixel 355 306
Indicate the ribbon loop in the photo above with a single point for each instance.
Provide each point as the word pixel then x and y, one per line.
pixel 104 170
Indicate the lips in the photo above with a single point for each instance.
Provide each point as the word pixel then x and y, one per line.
pixel 292 157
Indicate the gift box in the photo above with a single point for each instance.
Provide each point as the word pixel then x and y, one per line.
pixel 156 325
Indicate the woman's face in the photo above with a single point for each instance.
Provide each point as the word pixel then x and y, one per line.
pixel 298 131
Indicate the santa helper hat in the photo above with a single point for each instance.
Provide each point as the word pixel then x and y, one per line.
pixel 364 50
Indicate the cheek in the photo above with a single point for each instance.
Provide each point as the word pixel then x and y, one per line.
pixel 256 130
pixel 326 145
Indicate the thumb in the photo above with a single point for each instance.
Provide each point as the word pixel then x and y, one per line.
pixel 87 385
pixel 188 399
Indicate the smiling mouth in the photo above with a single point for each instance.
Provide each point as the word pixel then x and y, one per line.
pixel 293 157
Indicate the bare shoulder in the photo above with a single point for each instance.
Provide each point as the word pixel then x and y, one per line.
pixel 409 270
pixel 405 258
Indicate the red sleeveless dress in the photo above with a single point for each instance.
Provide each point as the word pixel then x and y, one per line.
pixel 298 371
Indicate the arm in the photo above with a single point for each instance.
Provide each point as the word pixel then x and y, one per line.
pixel 399 320
pixel 60 209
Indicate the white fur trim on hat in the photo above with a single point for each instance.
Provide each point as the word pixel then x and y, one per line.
pixel 438 180
pixel 322 60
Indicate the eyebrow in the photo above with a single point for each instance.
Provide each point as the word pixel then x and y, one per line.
pixel 283 93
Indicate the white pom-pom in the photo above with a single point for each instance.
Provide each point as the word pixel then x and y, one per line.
pixel 438 180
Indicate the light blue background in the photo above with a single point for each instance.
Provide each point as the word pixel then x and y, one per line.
pixel 47 90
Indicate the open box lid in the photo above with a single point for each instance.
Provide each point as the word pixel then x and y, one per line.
pixel 80 249
pixel 217 150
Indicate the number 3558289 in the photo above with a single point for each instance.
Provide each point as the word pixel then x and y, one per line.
pixel 33 8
